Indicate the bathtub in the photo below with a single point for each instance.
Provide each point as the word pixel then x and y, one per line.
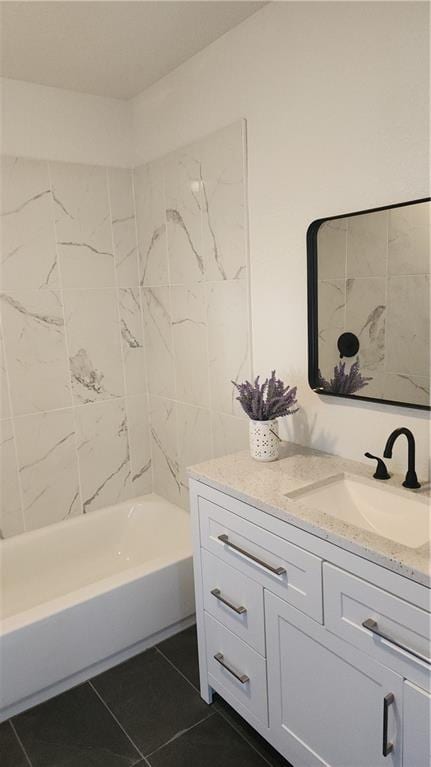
pixel 82 595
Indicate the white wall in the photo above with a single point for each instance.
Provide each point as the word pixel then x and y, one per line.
pixel 336 100
pixel 55 124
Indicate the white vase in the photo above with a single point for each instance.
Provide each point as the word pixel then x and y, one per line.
pixel 264 440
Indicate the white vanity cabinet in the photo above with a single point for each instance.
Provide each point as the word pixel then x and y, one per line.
pixel 416 726
pixel 280 617
pixel 327 702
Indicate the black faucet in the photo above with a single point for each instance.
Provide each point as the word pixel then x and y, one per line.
pixel 411 480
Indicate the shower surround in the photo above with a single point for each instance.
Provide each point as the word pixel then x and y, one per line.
pixel 123 302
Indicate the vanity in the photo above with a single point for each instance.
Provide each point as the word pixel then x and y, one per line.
pixel 314 624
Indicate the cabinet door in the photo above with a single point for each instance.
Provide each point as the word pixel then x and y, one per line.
pixel 416 727
pixel 326 698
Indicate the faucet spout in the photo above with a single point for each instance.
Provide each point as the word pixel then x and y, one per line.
pixel 411 480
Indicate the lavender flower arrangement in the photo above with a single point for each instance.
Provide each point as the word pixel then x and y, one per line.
pixel 342 382
pixel 264 402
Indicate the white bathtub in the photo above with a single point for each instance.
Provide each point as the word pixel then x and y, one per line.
pixel 82 595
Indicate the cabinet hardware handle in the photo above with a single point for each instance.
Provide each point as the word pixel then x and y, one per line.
pixel 275 570
pixel 218 595
pixel 387 746
pixel 243 678
pixel 372 626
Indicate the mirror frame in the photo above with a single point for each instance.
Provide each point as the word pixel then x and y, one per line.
pixel 312 307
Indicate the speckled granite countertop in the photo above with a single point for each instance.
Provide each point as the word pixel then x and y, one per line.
pixel 264 486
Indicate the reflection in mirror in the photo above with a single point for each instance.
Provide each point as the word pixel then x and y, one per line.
pixel 369 294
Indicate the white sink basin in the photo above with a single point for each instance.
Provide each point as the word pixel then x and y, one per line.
pixel 399 515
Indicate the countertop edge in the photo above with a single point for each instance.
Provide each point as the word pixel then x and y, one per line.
pixel 376 557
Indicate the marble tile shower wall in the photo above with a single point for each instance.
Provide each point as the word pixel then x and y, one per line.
pixel 104 324
pixel 74 432
pixel 374 280
pixel 193 253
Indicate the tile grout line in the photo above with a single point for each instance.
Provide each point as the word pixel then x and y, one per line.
pixel 156 647
pixel 102 700
pixel 163 164
pixel 117 289
pixel 142 323
pixel 89 405
pixel 72 405
pixel 242 735
pixel 20 742
pixel 13 427
pixel 181 733
pixel 214 711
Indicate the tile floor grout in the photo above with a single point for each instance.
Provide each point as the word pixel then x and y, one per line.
pixel 102 700
pixel 196 689
pixel 146 759
pixel 244 737
pixel 20 742
pixel 222 714
pixel 180 734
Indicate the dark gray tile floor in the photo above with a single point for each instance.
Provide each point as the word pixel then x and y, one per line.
pixel 145 712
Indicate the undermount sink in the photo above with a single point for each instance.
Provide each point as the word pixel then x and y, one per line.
pixel 395 514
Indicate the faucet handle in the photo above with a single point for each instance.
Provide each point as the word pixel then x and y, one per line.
pixel 381 470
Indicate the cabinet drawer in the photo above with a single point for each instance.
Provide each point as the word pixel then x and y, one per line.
pixel 235 600
pixel 350 602
pixel 236 671
pixel 280 566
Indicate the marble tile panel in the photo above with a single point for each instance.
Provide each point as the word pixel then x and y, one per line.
pixel 194 442
pixel 328 353
pixel 158 341
pixel 11 517
pixel 29 258
pixel 402 387
pixel 93 336
pixel 184 204
pixel 5 409
pixel 408 325
pixel 365 316
pixel 409 239
pixel 332 249
pixel 123 226
pixel 331 315
pixel 228 342
pixel 83 225
pixel 151 221
pixel 367 244
pixel 230 434
pixel 375 386
pixel 164 452
pixel 48 468
pixel 132 340
pixel 35 350
pixel 331 305
pixel 140 445
pixel 103 454
pixel 189 331
pixel 224 203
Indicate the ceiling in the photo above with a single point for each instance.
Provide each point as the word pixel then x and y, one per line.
pixel 114 49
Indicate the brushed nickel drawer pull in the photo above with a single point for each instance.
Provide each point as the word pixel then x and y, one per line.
pixel 387 701
pixel 372 626
pixel 275 570
pixel 243 678
pixel 218 595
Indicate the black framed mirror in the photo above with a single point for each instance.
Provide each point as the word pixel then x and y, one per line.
pixel 369 304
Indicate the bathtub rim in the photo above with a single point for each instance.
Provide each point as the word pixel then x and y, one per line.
pixel 93 590
pixel 109 582
pixel 76 519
